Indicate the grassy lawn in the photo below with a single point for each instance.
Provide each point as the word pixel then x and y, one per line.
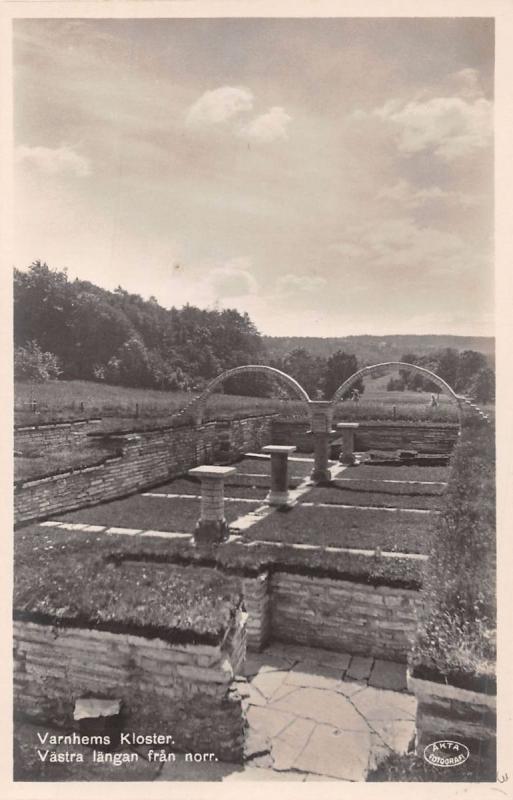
pixel 384 487
pixel 260 466
pixel 404 473
pixel 29 467
pixel 338 495
pixel 190 486
pixel 151 513
pixel 68 580
pixel 340 527
pixel 128 408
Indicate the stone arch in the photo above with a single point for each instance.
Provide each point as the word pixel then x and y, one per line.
pixel 200 403
pixel 342 389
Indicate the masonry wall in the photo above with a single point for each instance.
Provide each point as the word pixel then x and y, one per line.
pixel 183 690
pixel 257 601
pixel 147 459
pixel 396 436
pixel 425 438
pixel 53 436
pixel 343 615
pixel 448 712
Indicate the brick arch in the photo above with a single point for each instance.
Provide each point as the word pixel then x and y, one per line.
pixel 200 403
pixel 342 389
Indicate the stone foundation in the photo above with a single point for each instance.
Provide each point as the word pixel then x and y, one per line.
pixel 257 601
pixel 54 435
pixel 341 615
pixel 448 712
pixel 148 458
pixel 422 437
pixel 184 690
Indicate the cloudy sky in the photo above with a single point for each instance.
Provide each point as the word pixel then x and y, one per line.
pixel 330 177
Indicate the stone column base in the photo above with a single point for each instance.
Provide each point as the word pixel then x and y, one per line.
pixel 321 475
pixel 211 532
pixel 277 498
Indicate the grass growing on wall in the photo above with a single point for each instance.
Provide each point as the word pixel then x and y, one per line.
pixel 456 638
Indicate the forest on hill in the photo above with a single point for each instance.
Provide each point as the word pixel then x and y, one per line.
pixel 373 349
pixel 77 330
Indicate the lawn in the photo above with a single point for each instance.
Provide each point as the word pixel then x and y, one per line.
pixel 337 495
pixel 190 486
pixel 30 467
pixel 262 466
pixel 339 527
pixel 128 407
pixel 151 513
pixel 67 580
pixel 403 473
pixel 390 487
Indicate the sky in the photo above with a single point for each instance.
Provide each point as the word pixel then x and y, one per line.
pixel 328 176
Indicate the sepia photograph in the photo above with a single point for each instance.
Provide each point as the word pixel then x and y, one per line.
pixel 253 338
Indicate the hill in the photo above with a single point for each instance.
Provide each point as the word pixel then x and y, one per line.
pixel 373 349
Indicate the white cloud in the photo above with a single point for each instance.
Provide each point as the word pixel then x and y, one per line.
pixel 268 127
pixel 406 196
pixel 467 82
pixel 219 106
pixel 295 284
pixel 233 279
pixel 54 161
pixel 404 249
pixel 456 122
pixel 450 127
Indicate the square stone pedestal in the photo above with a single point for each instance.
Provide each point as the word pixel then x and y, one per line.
pixel 211 527
pixel 279 494
pixel 348 430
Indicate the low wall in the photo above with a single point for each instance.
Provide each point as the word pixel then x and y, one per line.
pixel 54 435
pixel 448 712
pixel 423 437
pixel 340 615
pixel 182 690
pixel 148 458
pixel 432 438
pixel 343 616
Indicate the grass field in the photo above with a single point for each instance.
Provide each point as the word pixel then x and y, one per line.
pixel 175 515
pixel 398 531
pixel 126 408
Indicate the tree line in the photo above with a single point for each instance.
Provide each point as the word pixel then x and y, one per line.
pixel 77 330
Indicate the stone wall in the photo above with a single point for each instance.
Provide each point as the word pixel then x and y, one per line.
pixel 184 690
pixel 449 712
pixel 148 458
pixel 343 615
pixel 257 601
pixel 335 614
pixel 433 438
pixel 53 436
pixel 425 438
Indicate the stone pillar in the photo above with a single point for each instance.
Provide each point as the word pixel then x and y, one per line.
pixel 348 431
pixel 322 414
pixel 279 494
pixel 211 527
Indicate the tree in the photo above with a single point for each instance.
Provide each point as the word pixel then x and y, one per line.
pixel 308 370
pixel 339 367
pixel 32 364
pixel 482 387
pixel 470 363
pixel 131 364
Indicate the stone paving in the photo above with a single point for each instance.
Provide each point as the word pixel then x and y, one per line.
pixel 315 714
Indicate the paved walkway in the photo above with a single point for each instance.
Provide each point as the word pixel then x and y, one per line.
pixel 317 715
